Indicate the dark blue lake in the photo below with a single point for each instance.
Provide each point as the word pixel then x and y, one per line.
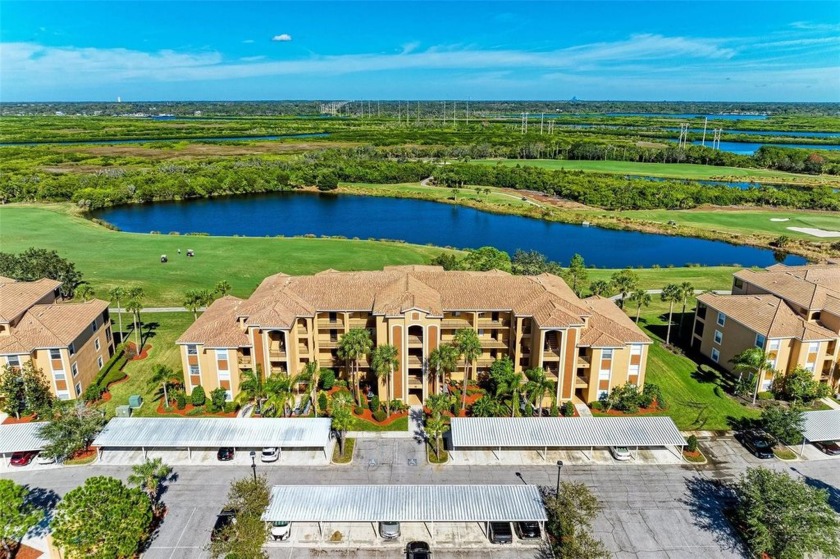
pixel 424 222
pixel 749 148
pixel 776 133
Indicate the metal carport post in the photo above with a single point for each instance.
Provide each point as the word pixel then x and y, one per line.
pixel 802 448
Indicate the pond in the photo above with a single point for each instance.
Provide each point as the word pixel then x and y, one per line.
pixel 749 148
pixel 424 222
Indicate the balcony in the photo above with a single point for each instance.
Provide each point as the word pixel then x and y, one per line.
pixel 415 382
pixel 415 341
pixel 327 324
pixel 276 355
pixel 415 362
pixel 581 382
pixel 303 349
pixel 490 323
pixel 327 343
pixel 551 354
pixel 584 361
pixel 245 361
pixel 493 344
pixel 454 323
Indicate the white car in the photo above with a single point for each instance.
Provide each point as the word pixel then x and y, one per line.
pixel 281 530
pixel 41 459
pixel 270 454
pixel 620 453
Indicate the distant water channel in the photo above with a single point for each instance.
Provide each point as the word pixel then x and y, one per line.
pixel 749 148
pixel 424 222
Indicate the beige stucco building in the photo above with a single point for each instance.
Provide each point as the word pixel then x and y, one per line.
pixel 792 312
pixel 69 342
pixel 587 346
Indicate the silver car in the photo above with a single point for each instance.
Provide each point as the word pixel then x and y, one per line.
pixel 270 454
pixel 389 530
pixel 620 453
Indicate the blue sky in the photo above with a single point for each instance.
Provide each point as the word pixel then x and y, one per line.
pixel 705 51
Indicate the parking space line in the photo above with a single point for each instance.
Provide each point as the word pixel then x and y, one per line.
pixel 183 531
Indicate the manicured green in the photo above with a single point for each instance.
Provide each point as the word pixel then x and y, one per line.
pixel 359 424
pixel 745 222
pixel 432 459
pixel 666 170
pixel 784 453
pixel 349 446
pixel 109 259
pixel 496 198
pixel 701 277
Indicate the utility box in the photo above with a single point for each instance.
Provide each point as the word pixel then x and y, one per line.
pixel 123 411
pixel 135 401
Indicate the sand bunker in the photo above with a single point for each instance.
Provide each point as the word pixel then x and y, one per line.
pixel 779 219
pixel 821 233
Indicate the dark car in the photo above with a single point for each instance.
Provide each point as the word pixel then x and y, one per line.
pixel 758 442
pixel 500 532
pixel 418 550
pixel 23 458
pixel 225 454
pixel 223 520
pixel 528 530
pixel 832 448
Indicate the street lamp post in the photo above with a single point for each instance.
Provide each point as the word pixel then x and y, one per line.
pixel 254 465
pixel 559 467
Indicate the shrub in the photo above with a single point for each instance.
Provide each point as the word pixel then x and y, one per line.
pixel 93 393
pixel 799 385
pixel 691 444
pixel 373 404
pixel 336 536
pixel 397 405
pixel 568 409
pixel 198 396
pixel 341 383
pixel 180 399
pixel 529 409
pixel 327 379
pixel 217 399
pixel 598 406
pixel 358 410
pixel 231 407
pixel 195 411
pixel 380 415
pixel 322 402
pixel 765 395
pixel 650 394
pixel 554 412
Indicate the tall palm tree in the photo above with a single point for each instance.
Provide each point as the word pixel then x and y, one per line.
pixel 599 287
pixel 134 306
pixel 222 288
pixel 164 376
pixel 755 362
pixel 538 385
pixel 511 387
pixel 383 361
pixel 353 346
pixel 642 299
pixel 443 360
pixel 311 374
pixel 671 293
pixel 439 403
pixel 687 291
pixel 280 391
pixel 341 417
pixel 469 346
pixel 435 428
pixel 116 294
pixel 149 476
pixel 252 385
pixel 624 282
pixel 486 407
pixel 85 292
pixel 192 301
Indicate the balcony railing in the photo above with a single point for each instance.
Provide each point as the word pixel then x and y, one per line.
pixel 584 361
pixel 454 323
pixel 276 355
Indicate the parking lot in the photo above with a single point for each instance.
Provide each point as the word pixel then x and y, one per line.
pixel 197 457
pixel 599 456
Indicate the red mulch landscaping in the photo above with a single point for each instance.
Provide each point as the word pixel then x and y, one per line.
pixel 368 416
pixel 23 552
pixel 82 454
pixel 131 348
pixel 689 454
pixel 12 420
pixel 188 408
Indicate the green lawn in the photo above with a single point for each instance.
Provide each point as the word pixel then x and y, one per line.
pixel 666 170
pixel 465 196
pixel 108 258
pixel 701 277
pixel 358 424
pixel 744 222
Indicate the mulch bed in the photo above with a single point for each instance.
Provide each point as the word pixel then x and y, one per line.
pixel 689 454
pixel 131 349
pixel 12 420
pixel 188 408
pixel 23 552
pixel 367 415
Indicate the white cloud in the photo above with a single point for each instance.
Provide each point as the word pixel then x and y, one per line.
pixel 283 37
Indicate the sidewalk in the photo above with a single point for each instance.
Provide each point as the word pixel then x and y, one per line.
pixel 830 403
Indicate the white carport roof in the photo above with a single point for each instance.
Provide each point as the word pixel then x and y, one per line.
pixel 21 437
pixel 563 432
pixel 405 503
pixel 171 432
pixel 822 425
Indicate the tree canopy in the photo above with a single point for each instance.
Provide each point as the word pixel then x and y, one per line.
pixel 17 515
pixel 24 390
pixel 36 263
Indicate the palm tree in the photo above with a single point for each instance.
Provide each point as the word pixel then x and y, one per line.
pixel 671 293
pixel 341 417
pixel 280 391
pixel 486 407
pixel 599 287
pixel 85 292
pixel 642 299
pixel 149 476
pixel 439 403
pixel 624 282
pixel 352 346
pixel 755 362
pixel 134 306
pixel 383 361
pixel 310 374
pixel 192 302
pixel 116 294
pixel 443 360
pixel 538 385
pixel 511 387
pixel 469 346
pixel 163 375
pixel 687 291
pixel 222 288
pixel 435 428
pixel 252 385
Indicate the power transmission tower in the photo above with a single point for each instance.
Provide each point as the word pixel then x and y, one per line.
pixel 454 113
pixel 683 135
pixel 716 139
pixel 705 123
pixel 542 118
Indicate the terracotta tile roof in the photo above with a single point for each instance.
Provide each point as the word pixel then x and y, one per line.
pixel 832 305
pixel 609 326
pixel 217 326
pixel 767 315
pixel 805 286
pixel 17 296
pixel 50 326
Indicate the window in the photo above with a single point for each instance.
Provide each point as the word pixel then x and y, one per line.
pixel 813 347
pixel 72 349
pixel 718 337
pixel 760 341
pixel 75 369
pixel 99 362
pixel 721 319
pixel 96 344
pixel 221 359
pixel 193 369
pixel 715 355
pixel 192 350
pixel 78 389
pixel 108 333
pixel 55 354
pixel 13 360
pixel 333 317
pixel 738 283
pixel 606 354
pixel 701 310
pixel 774 345
pixel 93 327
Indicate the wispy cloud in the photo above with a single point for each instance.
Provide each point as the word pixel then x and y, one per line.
pixel 248 41
pixel 283 38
